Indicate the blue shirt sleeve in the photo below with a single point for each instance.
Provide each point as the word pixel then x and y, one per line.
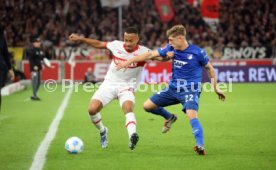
pixel 203 57
pixel 163 51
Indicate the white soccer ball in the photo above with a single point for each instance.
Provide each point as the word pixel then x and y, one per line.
pixel 74 145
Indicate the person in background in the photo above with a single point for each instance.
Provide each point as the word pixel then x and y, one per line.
pixel 89 76
pixel 5 62
pixel 35 55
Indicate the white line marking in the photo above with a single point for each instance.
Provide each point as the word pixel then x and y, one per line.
pixel 40 155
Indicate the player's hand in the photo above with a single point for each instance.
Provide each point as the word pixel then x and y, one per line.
pixel 122 64
pixel 220 94
pixel 74 37
pixel 170 54
pixel 11 74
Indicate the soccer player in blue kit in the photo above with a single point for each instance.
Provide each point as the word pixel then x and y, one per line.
pixel 185 85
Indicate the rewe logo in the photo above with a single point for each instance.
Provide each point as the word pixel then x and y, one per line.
pixel 179 64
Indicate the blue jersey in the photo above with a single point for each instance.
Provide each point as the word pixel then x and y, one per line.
pixel 186 65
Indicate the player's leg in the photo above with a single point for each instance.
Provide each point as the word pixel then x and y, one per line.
pixel 94 108
pixel 127 107
pixel 0 99
pixel 38 82
pixel 150 106
pixel 100 99
pixel 155 106
pixel 190 107
pixel 3 75
pixel 34 84
pixel 0 95
pixel 127 100
pixel 197 131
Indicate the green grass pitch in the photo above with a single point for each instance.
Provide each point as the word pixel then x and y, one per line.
pixel 239 133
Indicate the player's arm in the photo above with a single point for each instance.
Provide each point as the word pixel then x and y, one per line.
pixel 162 59
pixel 92 42
pixel 144 57
pixel 211 73
pixel 169 56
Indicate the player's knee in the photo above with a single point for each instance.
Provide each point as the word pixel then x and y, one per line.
pixel 147 107
pixel 191 114
pixel 94 108
pixel 127 107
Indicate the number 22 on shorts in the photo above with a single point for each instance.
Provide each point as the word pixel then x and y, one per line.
pixel 189 97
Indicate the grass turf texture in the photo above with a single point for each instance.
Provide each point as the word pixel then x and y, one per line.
pixel 239 133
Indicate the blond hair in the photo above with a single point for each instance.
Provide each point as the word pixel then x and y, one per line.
pixel 176 31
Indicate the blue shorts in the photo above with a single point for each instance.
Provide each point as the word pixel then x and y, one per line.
pixel 171 96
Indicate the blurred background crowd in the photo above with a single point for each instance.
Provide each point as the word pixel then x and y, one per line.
pixel 241 22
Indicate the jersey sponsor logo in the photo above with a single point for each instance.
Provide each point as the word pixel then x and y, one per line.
pixel 179 64
pixel 120 52
pixel 117 60
pixel 190 56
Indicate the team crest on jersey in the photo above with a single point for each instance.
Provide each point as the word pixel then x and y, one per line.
pixel 190 57
pixel 179 64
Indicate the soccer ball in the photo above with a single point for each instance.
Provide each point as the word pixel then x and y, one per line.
pixel 74 145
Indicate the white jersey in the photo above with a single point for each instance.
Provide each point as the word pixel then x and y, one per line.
pixel 133 74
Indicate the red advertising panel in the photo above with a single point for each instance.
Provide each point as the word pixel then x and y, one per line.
pixel 159 72
pixel 99 68
pixel 47 73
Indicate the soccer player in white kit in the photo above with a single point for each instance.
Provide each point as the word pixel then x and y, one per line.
pixel 117 84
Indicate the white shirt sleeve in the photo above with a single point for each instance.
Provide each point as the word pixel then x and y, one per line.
pixel 112 45
pixel 146 49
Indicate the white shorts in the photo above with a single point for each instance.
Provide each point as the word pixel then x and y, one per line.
pixel 106 93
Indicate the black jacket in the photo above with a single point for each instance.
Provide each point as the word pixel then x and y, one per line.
pixel 35 56
pixel 5 62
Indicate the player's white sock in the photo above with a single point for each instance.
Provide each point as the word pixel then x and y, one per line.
pixel 97 121
pixel 130 123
